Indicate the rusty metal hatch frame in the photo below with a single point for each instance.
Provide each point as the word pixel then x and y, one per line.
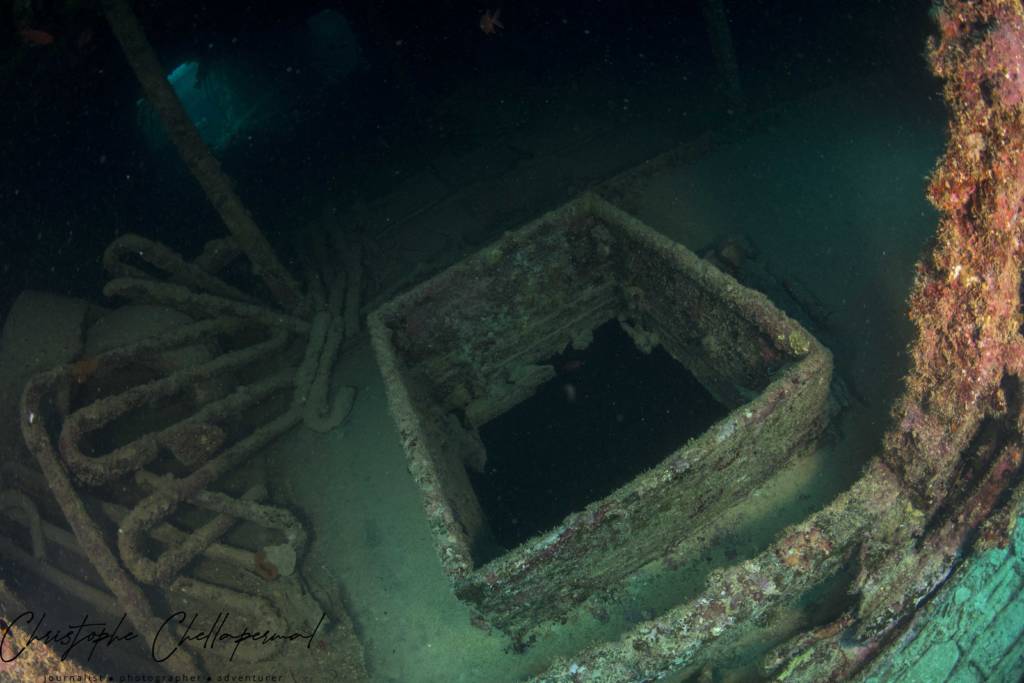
pixel 468 344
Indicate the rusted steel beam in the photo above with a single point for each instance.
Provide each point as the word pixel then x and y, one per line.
pixel 197 156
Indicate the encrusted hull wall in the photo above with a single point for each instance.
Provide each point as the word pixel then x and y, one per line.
pixel 471 343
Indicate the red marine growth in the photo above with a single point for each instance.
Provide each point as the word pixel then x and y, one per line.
pixel 966 301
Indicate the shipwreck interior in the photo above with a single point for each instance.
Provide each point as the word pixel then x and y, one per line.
pixel 464 349
pixel 512 343
pixel 610 413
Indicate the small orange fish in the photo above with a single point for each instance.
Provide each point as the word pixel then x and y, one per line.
pixel 84 368
pixel 573 365
pixel 33 37
pixel 490 21
pixel 265 567
pixel 85 38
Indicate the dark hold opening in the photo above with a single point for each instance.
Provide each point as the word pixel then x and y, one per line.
pixel 611 413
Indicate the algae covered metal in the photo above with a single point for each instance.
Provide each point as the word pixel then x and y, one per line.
pixel 471 343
